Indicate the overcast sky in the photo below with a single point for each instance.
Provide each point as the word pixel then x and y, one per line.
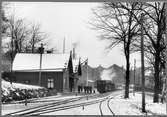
pixel 70 21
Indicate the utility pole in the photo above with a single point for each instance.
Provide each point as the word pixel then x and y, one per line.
pixel 0 51
pixel 41 51
pixel 12 55
pixel 64 41
pixel 166 56
pixel 12 58
pixel 142 65
pixel 87 74
pixel 134 77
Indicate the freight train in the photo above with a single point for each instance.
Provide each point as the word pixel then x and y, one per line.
pixel 104 86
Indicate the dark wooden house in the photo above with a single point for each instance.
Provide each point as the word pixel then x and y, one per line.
pixel 53 73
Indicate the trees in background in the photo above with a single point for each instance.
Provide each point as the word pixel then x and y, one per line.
pixel 119 23
pixel 17 33
pixel 155 32
pixel 4 19
pixel 115 22
pixel 36 36
pixel 154 29
pixel 23 37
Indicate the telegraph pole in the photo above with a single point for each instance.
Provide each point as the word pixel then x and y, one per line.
pixel 166 55
pixel 0 50
pixel 87 74
pixel 64 47
pixel 41 51
pixel 142 65
pixel 134 77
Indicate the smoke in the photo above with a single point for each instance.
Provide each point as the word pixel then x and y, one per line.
pixel 75 49
pixel 76 44
pixel 107 74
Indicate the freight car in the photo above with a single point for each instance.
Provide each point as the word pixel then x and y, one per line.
pixel 105 86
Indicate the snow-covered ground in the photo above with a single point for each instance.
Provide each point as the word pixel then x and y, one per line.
pixel 9 108
pixel 118 104
pixel 86 110
pixel 132 106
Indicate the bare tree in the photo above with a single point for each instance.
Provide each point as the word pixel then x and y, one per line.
pixel 36 37
pixel 154 29
pixel 155 34
pixel 17 31
pixel 115 22
pixel 23 36
pixel 4 19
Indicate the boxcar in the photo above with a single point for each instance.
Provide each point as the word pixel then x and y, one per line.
pixel 105 86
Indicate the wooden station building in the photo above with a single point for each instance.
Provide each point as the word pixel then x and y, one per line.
pixel 52 73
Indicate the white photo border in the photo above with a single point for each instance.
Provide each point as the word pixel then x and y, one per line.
pixel 72 1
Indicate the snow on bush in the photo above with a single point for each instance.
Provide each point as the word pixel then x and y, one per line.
pixel 6 84
pixel 18 91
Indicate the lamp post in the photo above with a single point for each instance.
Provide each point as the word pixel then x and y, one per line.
pixel 41 51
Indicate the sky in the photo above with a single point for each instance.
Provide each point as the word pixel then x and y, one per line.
pixel 69 21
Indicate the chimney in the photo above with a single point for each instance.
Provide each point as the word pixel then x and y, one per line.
pixel 74 56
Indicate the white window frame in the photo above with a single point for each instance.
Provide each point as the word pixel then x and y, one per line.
pixel 50 83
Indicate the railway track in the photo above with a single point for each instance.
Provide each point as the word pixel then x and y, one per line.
pixel 65 107
pixel 66 104
pixel 44 106
pixel 108 104
pixel 36 100
pixel 107 110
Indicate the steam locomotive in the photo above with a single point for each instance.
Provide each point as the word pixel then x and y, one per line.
pixel 104 86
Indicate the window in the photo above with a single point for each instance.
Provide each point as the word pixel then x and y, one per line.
pixel 50 83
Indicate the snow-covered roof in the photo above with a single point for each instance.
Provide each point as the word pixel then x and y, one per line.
pixel 31 62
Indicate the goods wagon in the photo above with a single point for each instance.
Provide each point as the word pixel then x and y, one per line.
pixel 105 86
